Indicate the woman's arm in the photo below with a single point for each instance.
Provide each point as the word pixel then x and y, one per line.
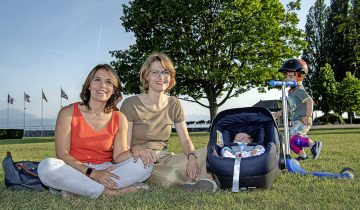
pixel 129 133
pixel 63 139
pixel 192 168
pixel 146 155
pixel 121 147
pixel 63 144
pixel 183 134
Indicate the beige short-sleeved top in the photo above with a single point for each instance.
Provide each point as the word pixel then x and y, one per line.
pixel 152 129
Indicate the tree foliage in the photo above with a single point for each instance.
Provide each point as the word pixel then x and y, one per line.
pixel 325 89
pixel 353 25
pixel 348 96
pixel 338 44
pixel 342 37
pixel 316 52
pixel 220 48
pixel 332 34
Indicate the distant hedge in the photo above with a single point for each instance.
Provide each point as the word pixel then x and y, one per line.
pixel 329 118
pixel 354 121
pixel 11 133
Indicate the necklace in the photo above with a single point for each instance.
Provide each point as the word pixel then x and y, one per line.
pixel 96 116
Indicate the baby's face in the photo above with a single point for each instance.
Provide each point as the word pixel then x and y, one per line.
pixel 243 137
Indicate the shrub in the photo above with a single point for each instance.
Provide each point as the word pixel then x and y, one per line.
pixel 11 133
pixel 354 121
pixel 332 118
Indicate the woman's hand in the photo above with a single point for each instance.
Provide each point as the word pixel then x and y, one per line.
pixel 147 156
pixel 105 177
pixel 192 168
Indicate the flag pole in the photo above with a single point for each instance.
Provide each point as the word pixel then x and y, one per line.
pixel 42 111
pixel 60 98
pixel 7 121
pixel 24 111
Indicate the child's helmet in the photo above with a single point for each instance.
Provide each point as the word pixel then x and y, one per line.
pixel 294 65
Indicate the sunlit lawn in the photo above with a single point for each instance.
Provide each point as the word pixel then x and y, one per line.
pixel 341 148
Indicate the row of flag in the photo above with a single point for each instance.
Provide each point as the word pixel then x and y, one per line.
pixel 27 97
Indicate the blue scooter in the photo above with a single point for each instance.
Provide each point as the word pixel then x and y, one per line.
pixel 293 165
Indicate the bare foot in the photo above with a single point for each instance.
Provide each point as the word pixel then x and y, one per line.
pixel 116 192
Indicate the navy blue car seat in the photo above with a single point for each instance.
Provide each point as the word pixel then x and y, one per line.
pixel 253 172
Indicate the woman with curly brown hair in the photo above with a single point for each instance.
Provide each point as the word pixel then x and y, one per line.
pixel 93 157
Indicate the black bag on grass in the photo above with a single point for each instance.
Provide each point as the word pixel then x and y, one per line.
pixel 21 175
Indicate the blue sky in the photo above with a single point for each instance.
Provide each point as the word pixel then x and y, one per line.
pixel 52 44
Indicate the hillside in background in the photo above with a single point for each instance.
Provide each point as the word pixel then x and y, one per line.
pixel 16 120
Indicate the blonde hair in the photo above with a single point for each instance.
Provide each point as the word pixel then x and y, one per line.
pixel 115 97
pixel 166 63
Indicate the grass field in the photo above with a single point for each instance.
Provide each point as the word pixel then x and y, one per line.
pixel 341 148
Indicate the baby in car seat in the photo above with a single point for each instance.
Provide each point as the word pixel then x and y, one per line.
pixel 243 147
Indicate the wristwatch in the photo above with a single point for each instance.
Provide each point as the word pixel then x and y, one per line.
pixel 89 171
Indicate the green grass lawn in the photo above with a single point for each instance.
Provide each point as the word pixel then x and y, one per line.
pixel 341 148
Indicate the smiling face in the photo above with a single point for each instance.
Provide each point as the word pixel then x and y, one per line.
pixel 159 70
pixel 101 86
pixel 158 77
pixel 97 87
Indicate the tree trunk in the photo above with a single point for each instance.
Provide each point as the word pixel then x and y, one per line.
pixel 213 109
pixel 210 92
pixel 351 115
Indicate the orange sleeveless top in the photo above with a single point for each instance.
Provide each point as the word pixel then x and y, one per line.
pixel 89 145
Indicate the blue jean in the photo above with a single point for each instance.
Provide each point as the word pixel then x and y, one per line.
pixel 56 174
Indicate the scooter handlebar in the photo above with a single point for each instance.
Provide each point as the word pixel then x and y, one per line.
pixel 274 83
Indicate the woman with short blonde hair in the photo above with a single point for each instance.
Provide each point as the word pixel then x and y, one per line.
pixel 151 116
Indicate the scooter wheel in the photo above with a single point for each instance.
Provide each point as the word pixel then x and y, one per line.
pixel 347 172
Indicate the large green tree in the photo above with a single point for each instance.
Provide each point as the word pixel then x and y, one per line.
pixel 353 25
pixel 333 36
pixel 343 37
pixel 325 89
pixel 348 96
pixel 220 48
pixel 316 52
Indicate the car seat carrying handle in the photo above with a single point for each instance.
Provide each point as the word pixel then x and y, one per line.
pixel 236 175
